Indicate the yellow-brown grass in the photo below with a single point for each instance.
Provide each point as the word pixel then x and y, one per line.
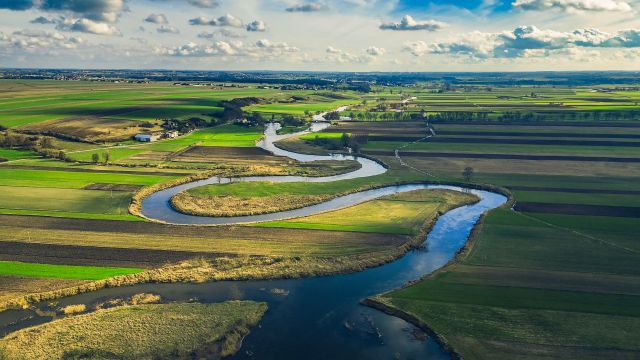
pixel 242 206
pixel 139 332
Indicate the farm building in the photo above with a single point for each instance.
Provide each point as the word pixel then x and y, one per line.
pixel 146 137
pixel 171 134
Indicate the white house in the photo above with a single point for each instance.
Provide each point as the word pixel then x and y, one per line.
pixel 146 137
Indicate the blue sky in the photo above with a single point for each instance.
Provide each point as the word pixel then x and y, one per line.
pixel 341 35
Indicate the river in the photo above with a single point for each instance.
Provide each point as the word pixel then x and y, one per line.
pixel 319 317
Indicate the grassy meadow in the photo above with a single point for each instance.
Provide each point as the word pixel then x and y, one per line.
pixel 139 332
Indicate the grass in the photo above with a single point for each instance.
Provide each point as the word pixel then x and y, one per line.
pixel 152 331
pixel 72 180
pixel 15 268
pixel 10 154
pixel 404 213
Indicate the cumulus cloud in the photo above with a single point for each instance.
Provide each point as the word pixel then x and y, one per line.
pixel 574 5
pixel 258 26
pixel 86 26
pixel 408 23
pixel 97 10
pixel 166 29
pixel 308 7
pixel 261 49
pixel 225 20
pixel 375 51
pixel 39 41
pixel 157 19
pixel 526 41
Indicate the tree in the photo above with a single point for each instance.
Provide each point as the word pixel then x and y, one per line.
pixel 467 173
pixel 62 155
pixel 95 158
pixel 344 140
pixel 46 143
pixel 105 156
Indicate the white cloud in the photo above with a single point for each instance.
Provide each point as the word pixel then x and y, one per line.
pixel 167 29
pixel 157 19
pixel 375 51
pixel 525 41
pixel 574 5
pixel 225 20
pixel 409 23
pixel 261 49
pixel 39 41
pixel 87 26
pixel 258 26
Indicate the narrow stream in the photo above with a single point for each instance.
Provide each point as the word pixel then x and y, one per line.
pixel 313 318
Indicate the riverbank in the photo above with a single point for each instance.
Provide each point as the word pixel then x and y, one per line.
pixel 173 330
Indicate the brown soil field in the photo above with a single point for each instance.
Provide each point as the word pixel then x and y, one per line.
pixel 112 187
pixel 455 166
pixel 194 239
pixel 503 156
pixel 484 140
pixel 538 134
pixel 381 127
pixel 204 154
pixel 94 255
pixel 151 155
pixel 576 191
pixel 90 128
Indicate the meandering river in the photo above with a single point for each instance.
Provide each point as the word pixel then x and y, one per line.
pixel 312 318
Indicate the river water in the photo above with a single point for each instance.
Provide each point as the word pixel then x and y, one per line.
pixel 320 317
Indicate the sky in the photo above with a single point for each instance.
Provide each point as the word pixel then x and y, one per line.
pixel 322 35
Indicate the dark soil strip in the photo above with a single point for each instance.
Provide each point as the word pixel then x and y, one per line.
pixel 215 233
pixel 96 171
pixel 112 187
pixel 95 256
pixel 635 124
pixel 576 191
pixel 504 156
pixel 535 134
pixel 578 209
pixel 407 138
pixel 480 140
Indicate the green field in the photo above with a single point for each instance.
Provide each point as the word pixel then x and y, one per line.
pixel 14 268
pixel 405 213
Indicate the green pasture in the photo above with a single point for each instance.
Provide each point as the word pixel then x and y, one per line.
pixel 16 268
pixel 11 154
pixel 72 180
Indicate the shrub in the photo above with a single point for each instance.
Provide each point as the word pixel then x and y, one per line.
pixel 74 309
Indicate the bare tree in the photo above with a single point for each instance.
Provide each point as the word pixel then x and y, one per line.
pixel 467 174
